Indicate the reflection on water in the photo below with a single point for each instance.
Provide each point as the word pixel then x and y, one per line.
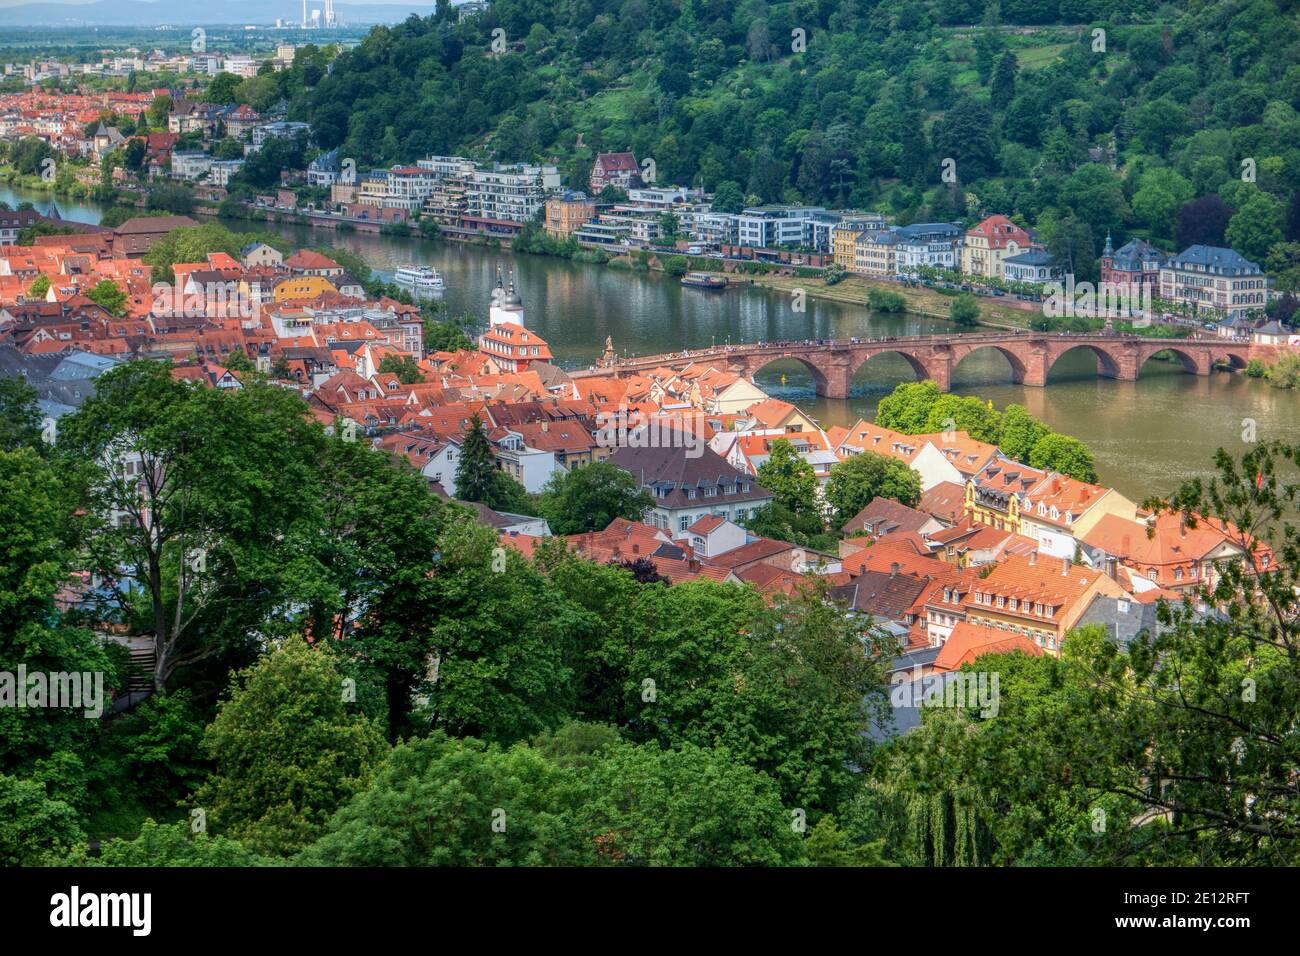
pixel 1147 435
pixel 574 306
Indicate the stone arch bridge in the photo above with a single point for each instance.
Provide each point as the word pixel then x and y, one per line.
pixel 1031 355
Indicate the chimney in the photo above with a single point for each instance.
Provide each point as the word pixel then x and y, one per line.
pixel 1065 567
pixel 546 426
pixel 1112 567
pixel 1033 558
pixel 894 569
pixel 636 548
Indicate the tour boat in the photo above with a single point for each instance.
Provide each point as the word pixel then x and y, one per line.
pixel 419 279
pixel 704 280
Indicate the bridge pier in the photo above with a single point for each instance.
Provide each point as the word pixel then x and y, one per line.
pixel 1034 377
pixel 834 381
pixel 940 372
pixel 1126 368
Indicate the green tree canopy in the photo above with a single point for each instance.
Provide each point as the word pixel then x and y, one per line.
pixel 854 483
pixel 789 478
pixel 588 497
pixel 288 750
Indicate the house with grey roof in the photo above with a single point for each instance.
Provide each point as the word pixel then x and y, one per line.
pixel 1272 333
pixel 685 486
pixel 1132 266
pixel 1215 281
pixel 1124 619
pixel 1034 267
pixel 63 381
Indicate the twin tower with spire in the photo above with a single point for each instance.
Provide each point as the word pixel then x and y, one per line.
pixel 512 347
pixel 505 306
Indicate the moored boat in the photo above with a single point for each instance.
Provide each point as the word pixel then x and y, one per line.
pixel 704 280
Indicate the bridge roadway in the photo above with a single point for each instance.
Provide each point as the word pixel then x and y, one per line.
pixel 833 363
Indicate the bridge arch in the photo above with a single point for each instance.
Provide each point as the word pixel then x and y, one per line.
pixel 918 366
pixel 1197 364
pixel 1108 364
pixel 820 382
pixel 1232 360
pixel 1017 363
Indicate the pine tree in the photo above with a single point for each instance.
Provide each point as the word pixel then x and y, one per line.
pixel 475 474
pixel 1002 89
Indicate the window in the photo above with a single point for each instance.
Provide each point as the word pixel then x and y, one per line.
pixel 691 494
pixel 710 492
pixel 683 522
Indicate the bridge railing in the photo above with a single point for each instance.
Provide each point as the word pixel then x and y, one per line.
pixel 750 348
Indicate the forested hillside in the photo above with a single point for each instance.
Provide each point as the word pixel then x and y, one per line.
pixel 1073 130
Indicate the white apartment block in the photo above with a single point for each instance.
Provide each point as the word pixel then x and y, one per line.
pixel 768 226
pixel 510 193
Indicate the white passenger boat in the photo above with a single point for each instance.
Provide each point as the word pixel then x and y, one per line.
pixel 419 279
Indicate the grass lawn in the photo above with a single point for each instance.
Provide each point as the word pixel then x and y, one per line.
pixel 853 291
pixel 1037 57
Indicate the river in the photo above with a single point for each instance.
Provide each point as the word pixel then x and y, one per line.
pixel 1147 435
